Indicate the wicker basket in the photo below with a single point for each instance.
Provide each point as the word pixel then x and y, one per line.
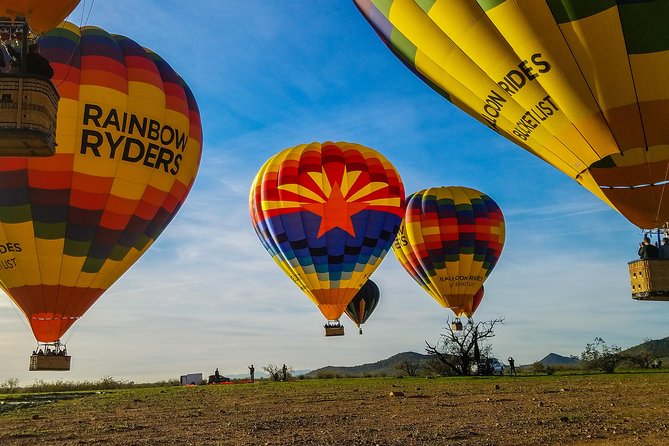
pixel 28 110
pixel 334 330
pixel 49 362
pixel 649 279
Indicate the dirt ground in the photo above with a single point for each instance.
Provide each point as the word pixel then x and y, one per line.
pixel 620 409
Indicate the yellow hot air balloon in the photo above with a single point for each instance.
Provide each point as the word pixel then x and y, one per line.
pixel 583 85
pixel 129 146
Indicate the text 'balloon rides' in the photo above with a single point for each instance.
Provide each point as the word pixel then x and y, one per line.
pixel 450 240
pixel 327 213
pixel 363 304
pixel 42 15
pixel 582 85
pixel 129 146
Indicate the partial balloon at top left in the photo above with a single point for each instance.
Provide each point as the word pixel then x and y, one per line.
pixel 42 15
pixel 129 143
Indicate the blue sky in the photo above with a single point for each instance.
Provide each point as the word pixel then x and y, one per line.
pixel 271 75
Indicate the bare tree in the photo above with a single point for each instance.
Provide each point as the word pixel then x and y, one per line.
pixel 410 367
pixel 10 385
pixel 274 372
pixel 455 350
pixel 277 373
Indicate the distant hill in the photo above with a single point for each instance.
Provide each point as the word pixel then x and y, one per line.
pixel 659 348
pixel 553 359
pixel 387 367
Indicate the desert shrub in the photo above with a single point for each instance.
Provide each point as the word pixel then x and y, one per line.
pixel 601 357
pixel 10 385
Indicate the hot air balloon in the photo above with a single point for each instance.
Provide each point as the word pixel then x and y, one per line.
pixel 327 214
pixel 449 242
pixel 129 146
pixel 363 304
pixel 582 85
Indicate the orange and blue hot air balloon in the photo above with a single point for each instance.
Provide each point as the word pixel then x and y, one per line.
pixel 363 304
pixel 128 149
pixel 450 241
pixel 327 213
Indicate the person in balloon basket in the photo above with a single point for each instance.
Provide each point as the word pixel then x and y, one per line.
pixel 35 62
pixel 664 249
pixel 647 250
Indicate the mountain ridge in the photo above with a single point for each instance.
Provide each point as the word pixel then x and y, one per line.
pixel 389 366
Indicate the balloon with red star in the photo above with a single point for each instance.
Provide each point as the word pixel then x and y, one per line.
pixel 327 214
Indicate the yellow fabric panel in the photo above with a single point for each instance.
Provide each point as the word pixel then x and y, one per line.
pixel 22 267
pixel 598 44
pixel 66 128
pixel 438 53
pixel 130 190
pixel 650 75
pixel 145 99
pixel 531 29
pixel 50 253
pixel 71 270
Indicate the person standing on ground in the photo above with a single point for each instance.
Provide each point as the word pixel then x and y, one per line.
pixel 252 371
pixel 512 366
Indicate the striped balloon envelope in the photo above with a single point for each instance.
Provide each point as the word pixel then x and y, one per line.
pixel 583 85
pixel 449 242
pixel 128 149
pixel 327 214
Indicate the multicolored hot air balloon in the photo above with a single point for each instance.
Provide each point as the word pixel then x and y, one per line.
pixel 129 145
pixel 582 85
pixel 41 15
pixel 363 304
pixel 449 242
pixel 327 214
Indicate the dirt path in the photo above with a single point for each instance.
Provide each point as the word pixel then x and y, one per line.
pixel 625 409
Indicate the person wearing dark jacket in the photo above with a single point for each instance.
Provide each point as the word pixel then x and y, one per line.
pixel 647 250
pixel 35 62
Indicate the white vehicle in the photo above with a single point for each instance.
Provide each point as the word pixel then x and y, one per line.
pixel 489 366
pixel 496 367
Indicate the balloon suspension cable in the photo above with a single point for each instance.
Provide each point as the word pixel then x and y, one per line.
pixel 90 9
pixel 73 329
pixel 664 185
pixel 82 22
pixel 21 318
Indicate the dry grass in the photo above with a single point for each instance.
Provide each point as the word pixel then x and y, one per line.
pixel 620 409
